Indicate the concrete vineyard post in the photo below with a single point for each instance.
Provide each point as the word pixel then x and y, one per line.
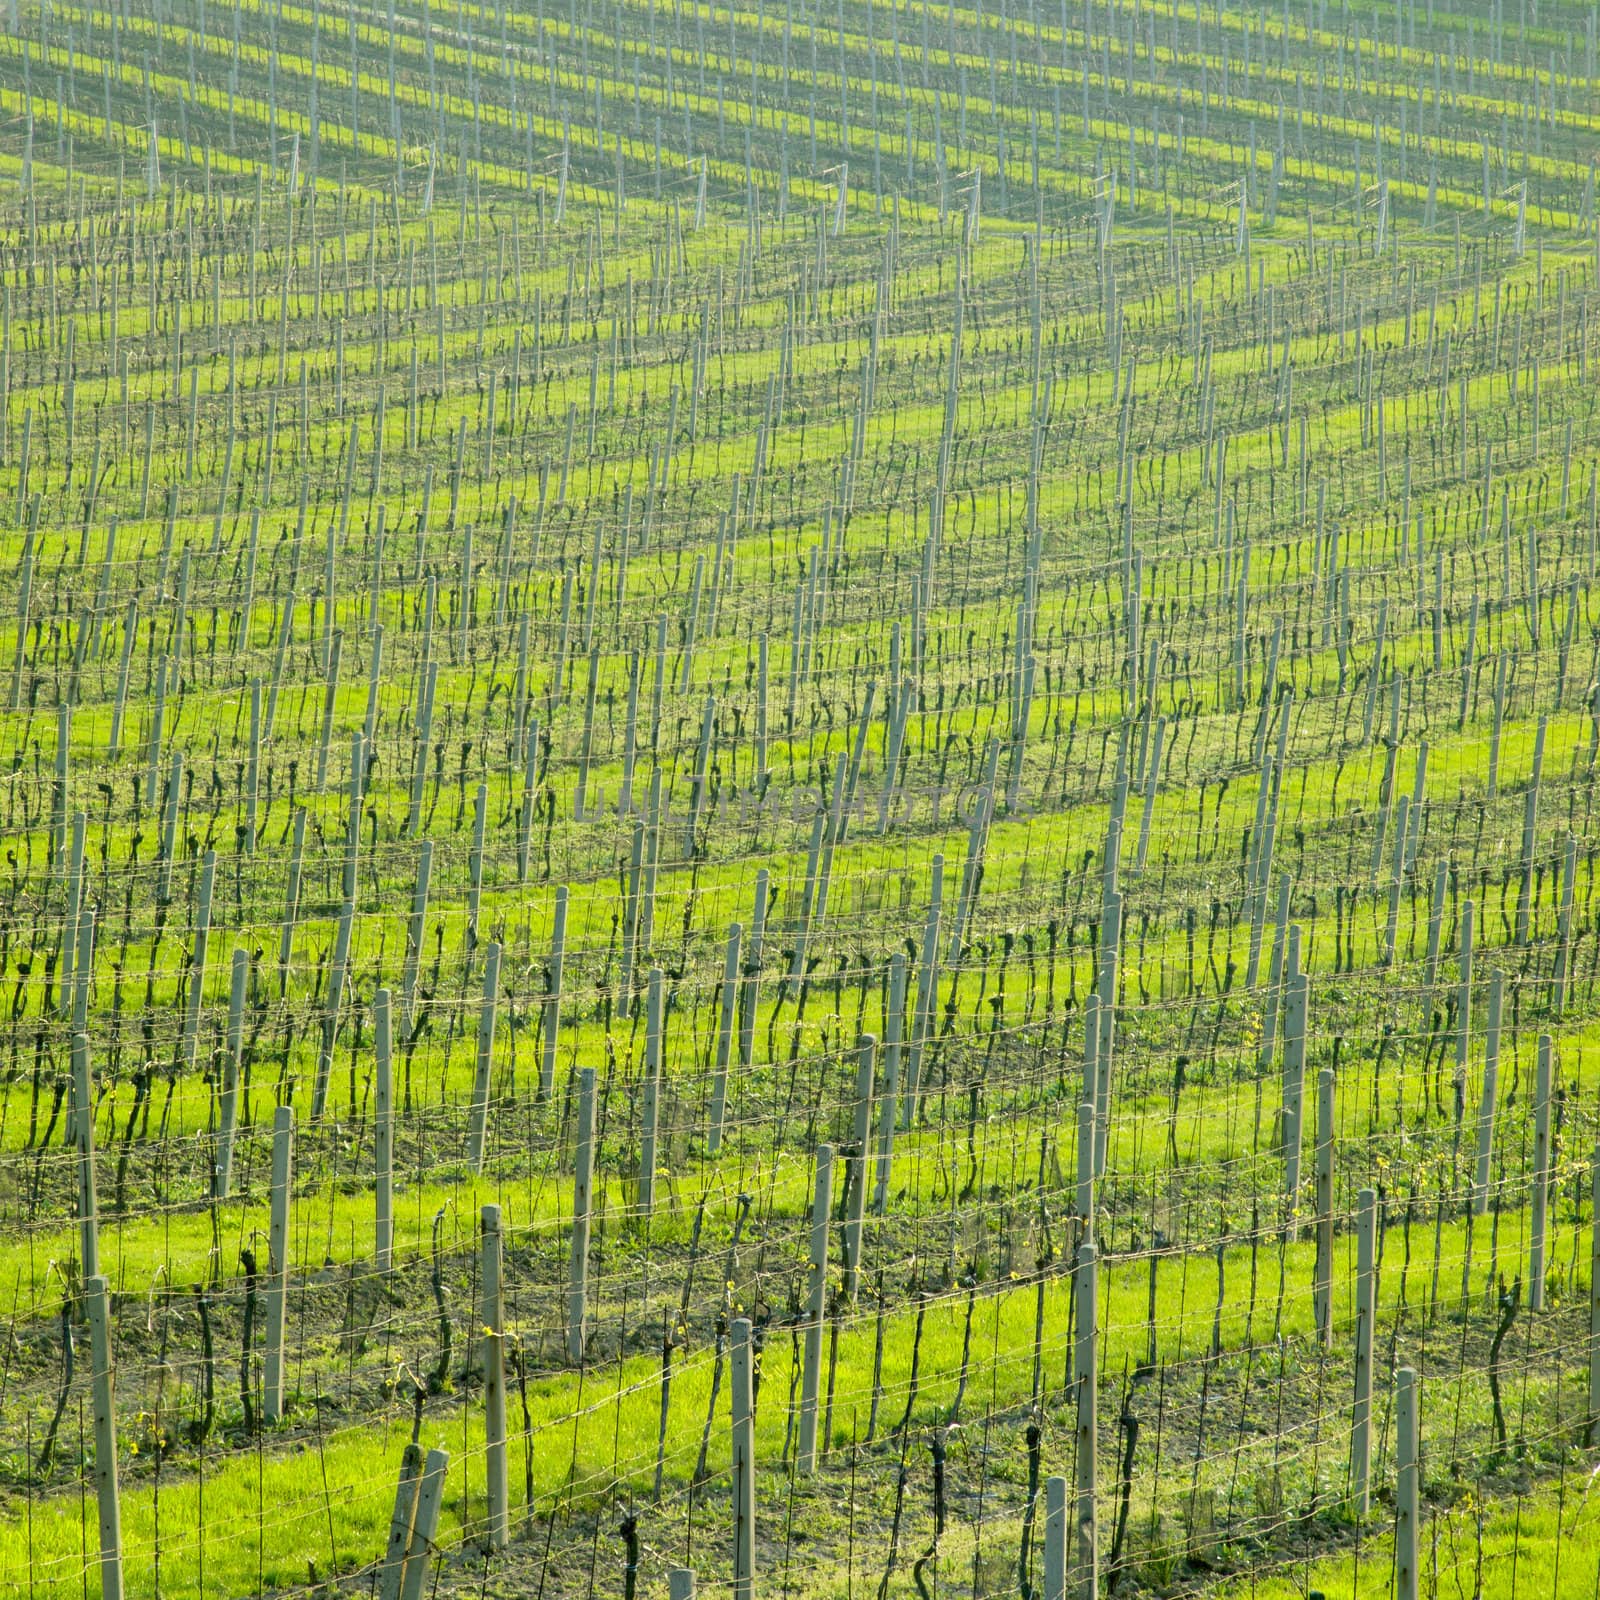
pixel 1085 1183
pixel 278 1280
pixel 1539 1197
pixel 816 1311
pixel 860 1163
pixel 680 1583
pixel 491 1316
pixel 83 970
pixel 1408 1472
pixel 97 1297
pixel 650 1115
pixel 1086 1558
pixel 479 1115
pixel 383 1131
pixel 425 1525
pixel 1366 1310
pixel 728 1002
pixel 582 1199
pixel 391 1570
pixel 1055 1538
pixel 1151 777
pixel 751 986
pixel 744 1463
pixel 83 1139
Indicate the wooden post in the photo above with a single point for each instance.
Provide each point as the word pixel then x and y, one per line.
pixel 278 1279
pixel 392 1568
pixel 419 1553
pixel 1538 1201
pixel 1407 1484
pixel 651 1115
pixel 1323 1293
pixel 582 1198
pixel 861 1134
pixel 479 1117
pixel 552 1002
pixel 744 1464
pixel 1086 1572
pixel 725 1020
pixel 83 1137
pixel 1366 1310
pixel 492 1319
pixel 1486 1105
pixel 96 1294
pixel 382 1131
pixel 1055 1538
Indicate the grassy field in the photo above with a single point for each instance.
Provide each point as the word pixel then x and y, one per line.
pixel 870 577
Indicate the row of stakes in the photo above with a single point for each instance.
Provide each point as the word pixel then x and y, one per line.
pixel 1071 1564
pixel 419 1496
pixel 1073 1561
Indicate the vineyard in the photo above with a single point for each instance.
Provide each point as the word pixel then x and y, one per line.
pixel 798 801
